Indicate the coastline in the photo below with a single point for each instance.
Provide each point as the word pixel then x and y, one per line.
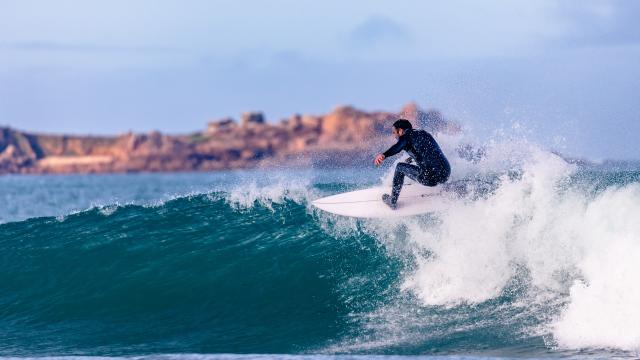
pixel 226 144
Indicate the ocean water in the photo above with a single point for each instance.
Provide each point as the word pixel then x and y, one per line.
pixel 542 261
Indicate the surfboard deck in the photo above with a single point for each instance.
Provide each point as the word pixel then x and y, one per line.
pixel 367 203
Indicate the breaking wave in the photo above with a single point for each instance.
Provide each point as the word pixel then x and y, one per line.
pixel 545 258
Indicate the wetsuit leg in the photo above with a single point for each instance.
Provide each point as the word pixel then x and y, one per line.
pixel 402 169
pixel 433 177
pixel 427 177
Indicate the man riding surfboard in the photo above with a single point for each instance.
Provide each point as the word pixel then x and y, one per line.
pixel 431 166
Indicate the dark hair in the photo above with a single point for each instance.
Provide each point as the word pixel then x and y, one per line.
pixel 403 124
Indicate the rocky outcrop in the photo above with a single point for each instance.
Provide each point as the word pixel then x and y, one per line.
pixel 251 118
pixel 326 140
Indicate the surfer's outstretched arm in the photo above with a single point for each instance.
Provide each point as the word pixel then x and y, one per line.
pixel 397 147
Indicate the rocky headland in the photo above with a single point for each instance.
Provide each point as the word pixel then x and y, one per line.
pixel 344 136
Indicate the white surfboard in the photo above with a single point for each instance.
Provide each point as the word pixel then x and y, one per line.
pixel 367 203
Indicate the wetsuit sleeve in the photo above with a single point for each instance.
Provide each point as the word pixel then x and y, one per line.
pixel 399 146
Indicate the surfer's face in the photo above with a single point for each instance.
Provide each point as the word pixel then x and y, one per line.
pixel 397 132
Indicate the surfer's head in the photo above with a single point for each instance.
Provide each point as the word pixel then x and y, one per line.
pixel 400 127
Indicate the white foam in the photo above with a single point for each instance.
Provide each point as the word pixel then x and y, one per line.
pixel 604 308
pixel 477 242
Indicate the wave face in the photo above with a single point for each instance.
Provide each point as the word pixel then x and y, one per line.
pixel 541 262
pixel 190 275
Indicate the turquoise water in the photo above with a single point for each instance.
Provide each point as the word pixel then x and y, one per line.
pixel 224 265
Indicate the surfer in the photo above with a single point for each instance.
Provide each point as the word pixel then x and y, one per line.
pixel 431 166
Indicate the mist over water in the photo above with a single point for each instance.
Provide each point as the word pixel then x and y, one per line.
pixel 536 258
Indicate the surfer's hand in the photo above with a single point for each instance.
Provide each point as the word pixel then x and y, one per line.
pixel 378 160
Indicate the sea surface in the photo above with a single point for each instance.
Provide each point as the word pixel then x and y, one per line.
pixel 536 258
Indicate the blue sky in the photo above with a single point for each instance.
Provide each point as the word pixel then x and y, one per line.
pixel 565 73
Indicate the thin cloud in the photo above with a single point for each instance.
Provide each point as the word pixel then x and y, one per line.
pixel 378 30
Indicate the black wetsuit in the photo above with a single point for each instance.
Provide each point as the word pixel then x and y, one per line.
pixel 431 168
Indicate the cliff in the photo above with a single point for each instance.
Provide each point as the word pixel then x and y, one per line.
pixel 301 140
